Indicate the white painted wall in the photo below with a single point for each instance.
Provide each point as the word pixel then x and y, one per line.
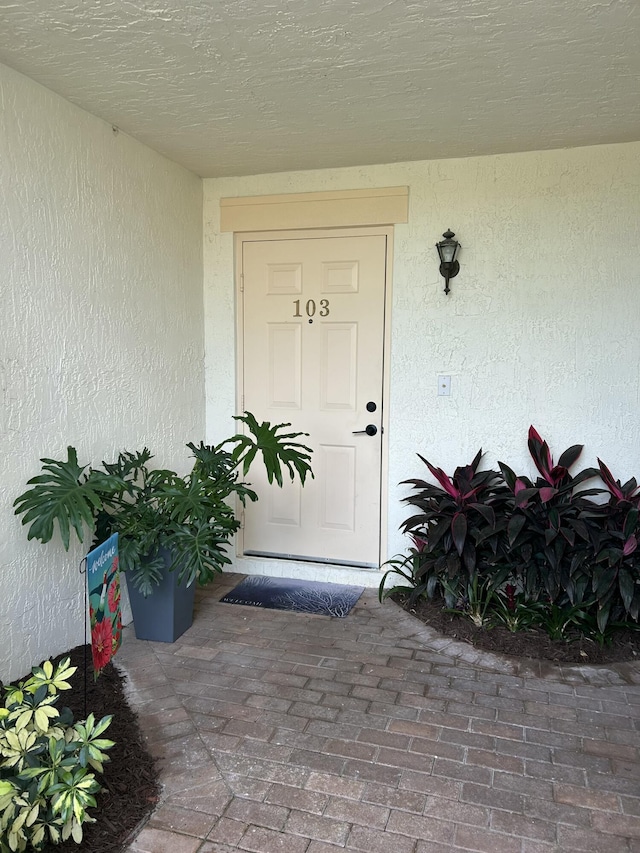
pixel 101 341
pixel 541 326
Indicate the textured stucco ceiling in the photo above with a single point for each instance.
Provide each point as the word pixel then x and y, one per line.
pixel 233 87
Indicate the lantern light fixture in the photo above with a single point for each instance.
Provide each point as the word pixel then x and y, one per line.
pixel 447 251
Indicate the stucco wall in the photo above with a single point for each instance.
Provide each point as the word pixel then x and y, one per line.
pixel 541 326
pixel 102 334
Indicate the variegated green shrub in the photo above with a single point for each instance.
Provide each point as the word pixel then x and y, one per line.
pixel 46 762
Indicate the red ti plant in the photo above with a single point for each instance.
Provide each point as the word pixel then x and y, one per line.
pixel 459 525
pixel 548 534
pixel 615 541
pixel 555 475
pixel 534 548
pixel 623 499
pixel 627 494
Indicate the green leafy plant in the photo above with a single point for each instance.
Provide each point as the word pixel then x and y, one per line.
pixel 193 517
pixel 605 636
pixel 512 610
pixel 47 763
pixel 415 568
pixel 558 621
pixel 478 601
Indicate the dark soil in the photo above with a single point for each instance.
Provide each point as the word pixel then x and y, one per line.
pixel 533 644
pixel 130 780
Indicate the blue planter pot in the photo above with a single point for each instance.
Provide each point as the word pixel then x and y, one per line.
pixel 166 614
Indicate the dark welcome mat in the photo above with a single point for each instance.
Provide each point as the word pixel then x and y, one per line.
pixel 327 599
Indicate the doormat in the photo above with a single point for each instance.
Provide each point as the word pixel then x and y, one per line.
pixel 326 599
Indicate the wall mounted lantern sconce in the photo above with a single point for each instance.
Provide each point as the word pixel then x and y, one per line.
pixel 447 250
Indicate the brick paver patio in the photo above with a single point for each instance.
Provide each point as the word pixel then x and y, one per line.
pixel 303 734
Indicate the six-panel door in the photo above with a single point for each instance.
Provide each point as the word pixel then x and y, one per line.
pixel 313 330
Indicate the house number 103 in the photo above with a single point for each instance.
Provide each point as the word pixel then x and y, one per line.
pixel 310 308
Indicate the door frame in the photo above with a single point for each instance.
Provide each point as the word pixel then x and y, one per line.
pixel 366 231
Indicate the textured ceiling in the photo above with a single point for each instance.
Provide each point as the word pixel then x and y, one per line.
pixel 234 87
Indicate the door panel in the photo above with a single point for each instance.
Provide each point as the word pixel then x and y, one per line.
pixel 338 366
pixel 338 485
pixel 313 332
pixel 285 361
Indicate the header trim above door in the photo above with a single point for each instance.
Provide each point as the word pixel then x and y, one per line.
pixel 336 209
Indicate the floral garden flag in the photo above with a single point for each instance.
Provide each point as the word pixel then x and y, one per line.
pixel 103 581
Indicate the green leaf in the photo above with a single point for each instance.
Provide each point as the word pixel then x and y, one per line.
pixel 436 534
pixel 53 680
pixel 143 571
pixel 399 565
pixel 486 512
pixel 33 814
pixel 508 474
pixel 59 495
pixel 630 522
pixel 277 450
pixel 24 719
pixel 626 584
pixel 549 535
pixel 202 549
pixel 570 455
pixel 603 582
pixel 514 527
pixel 100 727
pixel 42 717
pixel 603 617
pixel 459 531
pixel 432 585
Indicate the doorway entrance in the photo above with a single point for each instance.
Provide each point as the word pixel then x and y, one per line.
pixel 312 316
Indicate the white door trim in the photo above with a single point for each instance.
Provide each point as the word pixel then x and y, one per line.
pixel 386 231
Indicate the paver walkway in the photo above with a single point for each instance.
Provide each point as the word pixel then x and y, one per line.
pixel 303 734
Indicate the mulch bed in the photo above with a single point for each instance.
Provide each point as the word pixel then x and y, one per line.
pixel 532 644
pixel 130 782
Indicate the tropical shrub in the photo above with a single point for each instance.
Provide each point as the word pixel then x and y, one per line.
pixel 48 764
pixel 457 532
pixel 503 548
pixel 193 517
pixel 548 530
pixel 616 582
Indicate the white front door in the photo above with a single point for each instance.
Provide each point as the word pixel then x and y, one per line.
pixel 313 311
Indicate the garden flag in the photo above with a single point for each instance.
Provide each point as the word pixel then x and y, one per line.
pixel 103 582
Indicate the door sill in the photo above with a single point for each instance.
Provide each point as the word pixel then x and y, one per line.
pixel 325 561
pixel 305 570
